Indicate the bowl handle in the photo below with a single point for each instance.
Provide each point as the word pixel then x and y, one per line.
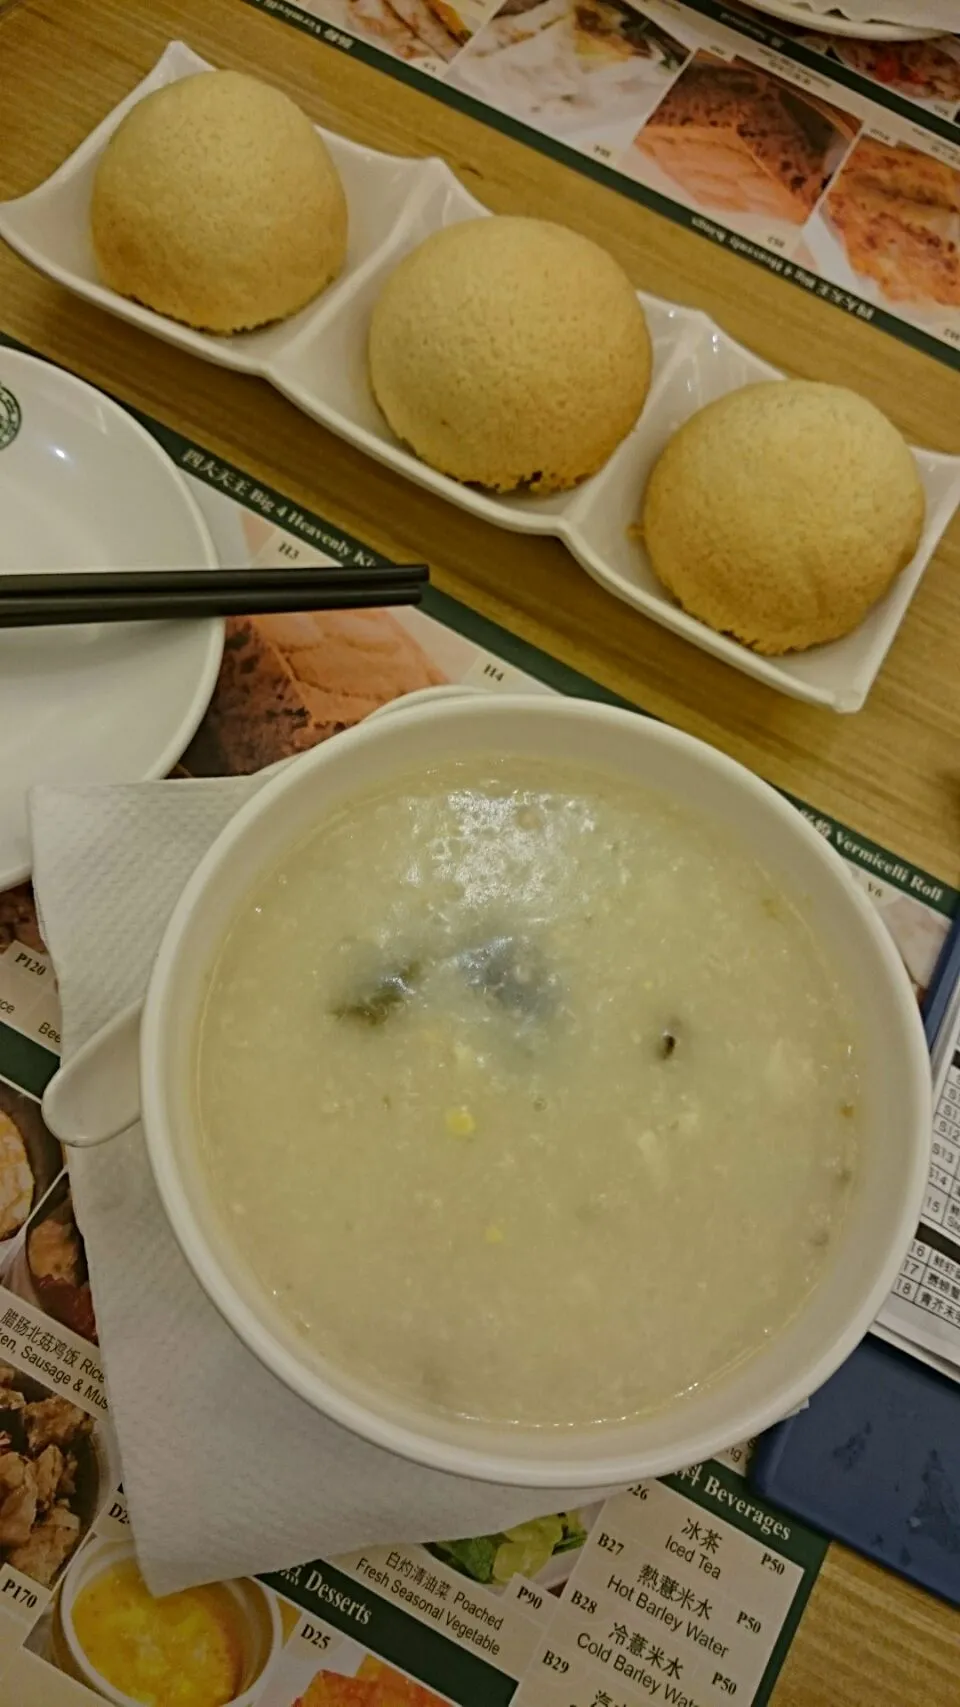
pixel 96 1094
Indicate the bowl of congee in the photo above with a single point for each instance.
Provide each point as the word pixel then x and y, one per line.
pixel 534 1092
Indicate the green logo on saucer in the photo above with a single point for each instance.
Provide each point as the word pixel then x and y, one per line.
pixel 10 417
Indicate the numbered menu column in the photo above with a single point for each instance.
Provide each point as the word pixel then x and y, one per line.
pixel 686 1598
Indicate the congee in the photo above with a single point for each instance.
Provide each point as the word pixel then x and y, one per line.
pixel 527 1096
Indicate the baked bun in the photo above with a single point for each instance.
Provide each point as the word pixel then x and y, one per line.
pixel 216 202
pixel 510 352
pixel 782 512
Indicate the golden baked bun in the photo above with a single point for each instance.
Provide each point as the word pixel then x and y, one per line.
pixel 782 512
pixel 510 352
pixel 216 202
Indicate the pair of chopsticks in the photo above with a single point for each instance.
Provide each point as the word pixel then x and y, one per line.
pixel 135 595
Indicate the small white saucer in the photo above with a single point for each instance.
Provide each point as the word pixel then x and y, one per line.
pixel 84 486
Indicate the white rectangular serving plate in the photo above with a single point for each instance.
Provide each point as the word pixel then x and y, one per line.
pixel 318 360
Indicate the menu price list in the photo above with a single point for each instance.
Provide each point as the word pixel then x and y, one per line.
pixel 685 1594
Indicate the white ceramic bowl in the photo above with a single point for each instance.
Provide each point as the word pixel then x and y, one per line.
pixel 896 1126
pixel 258 1626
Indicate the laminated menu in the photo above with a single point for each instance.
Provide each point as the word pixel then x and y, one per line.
pixel 830 161
pixel 686 1590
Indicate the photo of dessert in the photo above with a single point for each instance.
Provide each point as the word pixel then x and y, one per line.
pixel 49 1266
pixel 732 139
pixel 375 1684
pixel 51 1478
pixel 414 30
pixel 30 1160
pixel 585 71
pixel 927 72
pixel 16 1178
pixel 890 228
pixel 289 682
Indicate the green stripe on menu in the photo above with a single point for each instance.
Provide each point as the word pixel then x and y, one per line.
pixel 589 167
pixel 25 1063
pixel 393 1635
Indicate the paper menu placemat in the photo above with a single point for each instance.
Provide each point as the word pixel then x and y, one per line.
pixel 626 1601
pixel 833 163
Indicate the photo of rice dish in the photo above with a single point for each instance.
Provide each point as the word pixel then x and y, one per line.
pixel 586 71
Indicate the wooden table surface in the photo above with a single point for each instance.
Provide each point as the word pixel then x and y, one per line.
pixel 892 771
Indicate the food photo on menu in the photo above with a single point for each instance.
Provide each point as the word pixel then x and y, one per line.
pixel 289 682
pixel 543 1551
pixel 29 1162
pixel 55 1474
pixel 47 1265
pixel 889 227
pixel 373 1684
pixel 208 1646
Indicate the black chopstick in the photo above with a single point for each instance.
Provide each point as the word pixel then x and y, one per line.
pixel 165 594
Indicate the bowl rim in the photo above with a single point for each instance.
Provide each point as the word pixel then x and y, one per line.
pixel 606 1469
pixel 124 420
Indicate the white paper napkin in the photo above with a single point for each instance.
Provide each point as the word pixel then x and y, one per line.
pixel 226 1472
